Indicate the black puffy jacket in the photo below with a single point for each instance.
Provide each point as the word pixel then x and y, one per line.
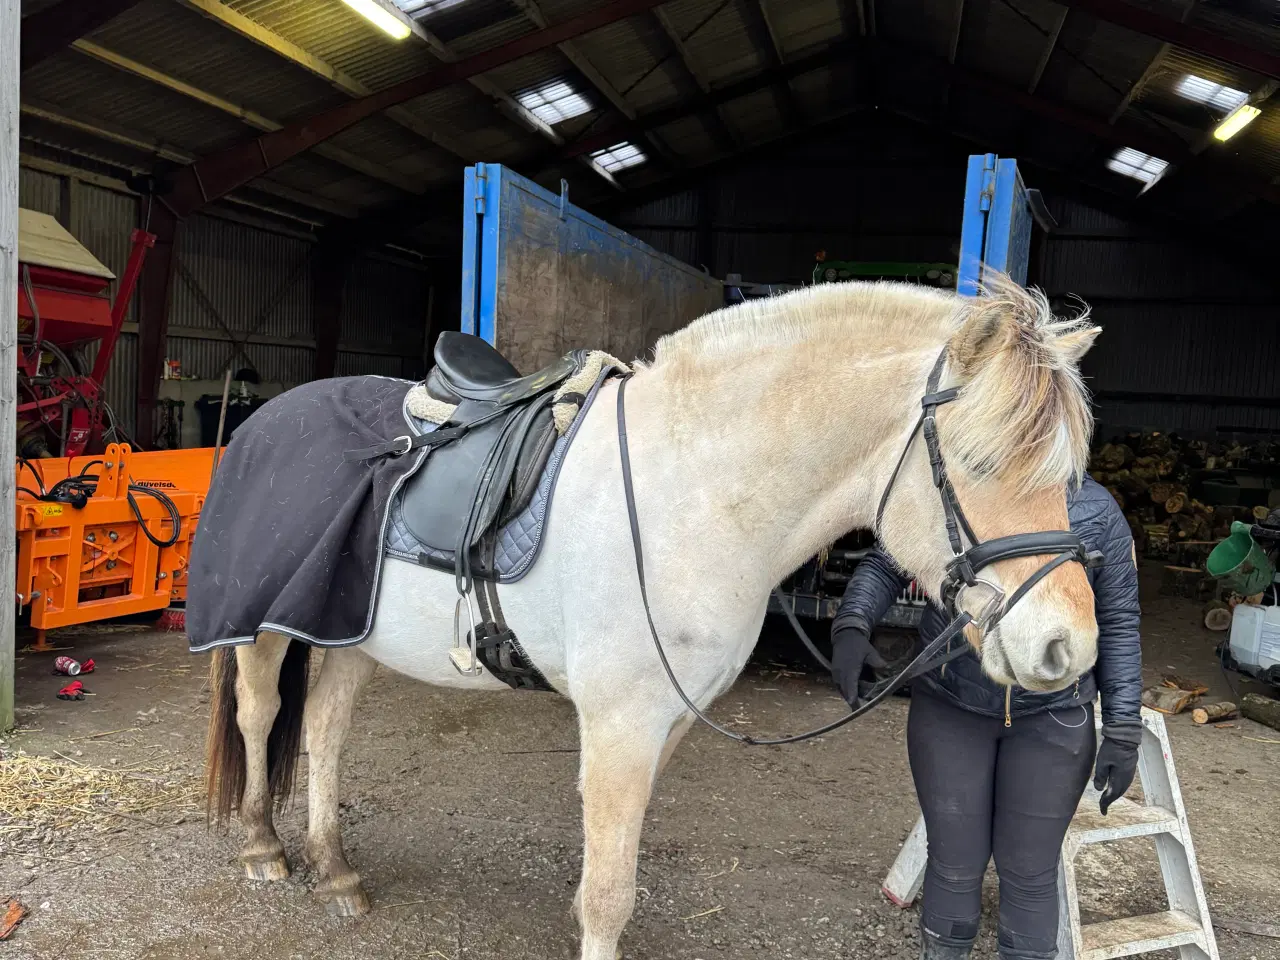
pixel 1097 520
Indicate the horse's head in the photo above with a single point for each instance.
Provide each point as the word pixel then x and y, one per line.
pixel 1013 439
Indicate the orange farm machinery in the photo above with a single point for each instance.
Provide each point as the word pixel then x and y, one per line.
pixel 102 531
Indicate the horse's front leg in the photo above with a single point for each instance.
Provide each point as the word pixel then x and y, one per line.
pixel 621 756
pixel 343 675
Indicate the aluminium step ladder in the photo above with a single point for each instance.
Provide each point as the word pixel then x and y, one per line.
pixel 1185 926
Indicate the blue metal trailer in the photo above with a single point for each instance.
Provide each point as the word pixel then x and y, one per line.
pixel 541 277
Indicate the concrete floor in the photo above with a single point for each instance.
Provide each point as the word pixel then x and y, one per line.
pixel 461 813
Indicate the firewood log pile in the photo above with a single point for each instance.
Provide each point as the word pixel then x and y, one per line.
pixel 1149 474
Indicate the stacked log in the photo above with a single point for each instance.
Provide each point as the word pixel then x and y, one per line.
pixel 1150 475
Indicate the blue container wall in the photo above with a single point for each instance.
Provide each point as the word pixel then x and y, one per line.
pixel 1192 335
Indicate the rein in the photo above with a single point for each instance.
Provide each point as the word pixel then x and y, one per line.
pixel 961 572
pixel 926 660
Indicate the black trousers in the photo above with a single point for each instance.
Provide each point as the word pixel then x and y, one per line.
pixel 990 790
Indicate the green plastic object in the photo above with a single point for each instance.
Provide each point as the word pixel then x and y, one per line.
pixel 1241 563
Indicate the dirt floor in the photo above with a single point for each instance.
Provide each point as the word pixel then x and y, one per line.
pixel 461 813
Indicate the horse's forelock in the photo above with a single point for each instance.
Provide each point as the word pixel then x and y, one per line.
pixel 1023 415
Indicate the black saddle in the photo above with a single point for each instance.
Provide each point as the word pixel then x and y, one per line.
pixel 468 368
pixel 473 484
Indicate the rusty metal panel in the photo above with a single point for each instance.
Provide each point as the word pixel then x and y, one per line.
pixel 542 277
pixel 253 279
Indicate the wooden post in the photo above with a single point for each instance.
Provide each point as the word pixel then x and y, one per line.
pixel 10 31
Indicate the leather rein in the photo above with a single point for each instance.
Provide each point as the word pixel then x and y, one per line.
pixel 961 572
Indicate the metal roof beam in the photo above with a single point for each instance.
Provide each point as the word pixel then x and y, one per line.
pixel 719 127
pixel 253 31
pixel 254 119
pixel 219 173
pixel 164 151
pixel 574 55
pixel 56 27
pixel 1173 31
pixel 1046 55
pixel 506 104
pixel 955 32
pixel 1140 84
pixel 719 95
pixel 765 38
pixel 1166 148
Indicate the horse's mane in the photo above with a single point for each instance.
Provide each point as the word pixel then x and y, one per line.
pixel 1023 413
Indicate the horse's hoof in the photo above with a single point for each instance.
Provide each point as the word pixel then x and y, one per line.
pixel 268 867
pixel 349 903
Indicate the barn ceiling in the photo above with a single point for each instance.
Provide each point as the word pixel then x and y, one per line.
pixel 307 110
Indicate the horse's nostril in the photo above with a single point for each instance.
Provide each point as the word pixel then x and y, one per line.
pixel 1057 659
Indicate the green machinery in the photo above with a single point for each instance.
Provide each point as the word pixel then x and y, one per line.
pixel 929 274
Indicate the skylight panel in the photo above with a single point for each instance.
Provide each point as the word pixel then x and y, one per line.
pixel 1136 164
pixel 554 102
pixel 424 8
pixel 619 157
pixel 1210 93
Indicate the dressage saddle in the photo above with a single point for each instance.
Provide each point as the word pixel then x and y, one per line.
pixel 473 484
pixel 468 368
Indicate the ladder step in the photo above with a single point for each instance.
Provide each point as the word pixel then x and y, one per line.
pixel 1153 931
pixel 1124 819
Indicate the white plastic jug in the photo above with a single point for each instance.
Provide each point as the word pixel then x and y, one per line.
pixel 1255 637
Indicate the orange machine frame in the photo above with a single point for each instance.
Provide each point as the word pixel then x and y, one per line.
pixel 77 565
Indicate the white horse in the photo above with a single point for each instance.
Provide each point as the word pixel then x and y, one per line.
pixel 759 434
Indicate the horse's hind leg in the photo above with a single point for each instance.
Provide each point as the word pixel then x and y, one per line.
pixel 343 676
pixel 257 703
pixel 620 759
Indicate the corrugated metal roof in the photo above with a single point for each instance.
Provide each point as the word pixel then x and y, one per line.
pixel 803 24
pixel 331 30
pixel 1094 65
pixel 716 37
pixel 94 93
pixel 184 44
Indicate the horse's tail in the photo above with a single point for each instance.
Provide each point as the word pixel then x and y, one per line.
pixel 224 752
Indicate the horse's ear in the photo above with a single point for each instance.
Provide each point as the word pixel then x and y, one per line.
pixel 1074 345
pixel 991 324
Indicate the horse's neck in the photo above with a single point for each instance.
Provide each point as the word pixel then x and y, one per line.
pixel 778 456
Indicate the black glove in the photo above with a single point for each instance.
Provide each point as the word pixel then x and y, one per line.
pixel 851 652
pixel 1117 761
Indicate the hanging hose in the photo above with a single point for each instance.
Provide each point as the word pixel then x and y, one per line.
pixel 76 491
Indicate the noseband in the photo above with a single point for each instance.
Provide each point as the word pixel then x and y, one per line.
pixel 962 571
pixel 961 574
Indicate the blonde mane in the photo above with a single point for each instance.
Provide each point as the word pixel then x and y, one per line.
pixel 1023 414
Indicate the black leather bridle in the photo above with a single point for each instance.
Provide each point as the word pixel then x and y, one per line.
pixel 962 572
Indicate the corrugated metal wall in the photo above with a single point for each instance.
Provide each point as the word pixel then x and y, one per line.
pixel 255 281
pixel 1191 338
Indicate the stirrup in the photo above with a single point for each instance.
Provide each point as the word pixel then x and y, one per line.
pixel 463 655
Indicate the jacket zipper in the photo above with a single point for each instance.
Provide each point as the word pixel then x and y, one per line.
pixel 1076 695
pixel 1008 696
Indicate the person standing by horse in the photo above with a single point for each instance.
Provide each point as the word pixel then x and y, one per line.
pixel 999 770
